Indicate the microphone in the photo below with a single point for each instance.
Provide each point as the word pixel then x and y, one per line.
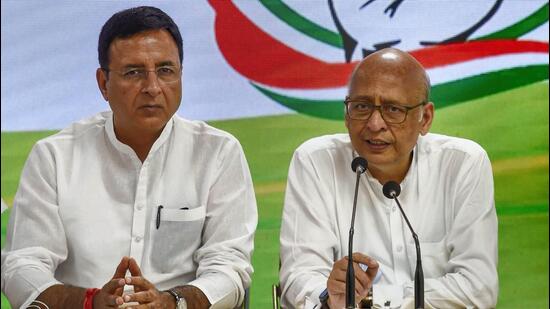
pixel 359 163
pixel 359 166
pixel 392 190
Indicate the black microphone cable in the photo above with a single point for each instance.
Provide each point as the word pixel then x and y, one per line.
pixel 359 166
pixel 392 190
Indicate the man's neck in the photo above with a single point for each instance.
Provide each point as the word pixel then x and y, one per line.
pixel 141 142
pixel 396 172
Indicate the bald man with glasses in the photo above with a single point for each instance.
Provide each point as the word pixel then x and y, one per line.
pixel 447 194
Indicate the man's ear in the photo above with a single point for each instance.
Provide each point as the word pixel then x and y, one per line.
pixel 427 118
pixel 101 77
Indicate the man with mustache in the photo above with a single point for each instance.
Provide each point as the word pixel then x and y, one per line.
pixel 164 203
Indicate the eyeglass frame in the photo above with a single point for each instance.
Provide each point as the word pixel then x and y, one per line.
pixel 122 72
pixel 378 107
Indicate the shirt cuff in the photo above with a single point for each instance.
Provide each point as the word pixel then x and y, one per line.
pixel 387 295
pixel 220 289
pixel 41 289
pixel 25 286
pixel 312 301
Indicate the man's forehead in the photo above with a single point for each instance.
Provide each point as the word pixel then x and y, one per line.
pixel 144 38
pixel 387 87
pixel 383 98
pixel 157 45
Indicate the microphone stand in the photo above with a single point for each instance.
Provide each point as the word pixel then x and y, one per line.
pixel 350 274
pixel 419 273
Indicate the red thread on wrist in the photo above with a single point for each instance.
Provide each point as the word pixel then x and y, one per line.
pixel 89 298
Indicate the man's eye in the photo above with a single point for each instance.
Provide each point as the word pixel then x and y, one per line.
pixel 362 106
pixel 393 109
pixel 132 73
pixel 166 71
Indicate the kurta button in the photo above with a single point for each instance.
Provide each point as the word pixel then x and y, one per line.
pixel 137 238
pixel 399 248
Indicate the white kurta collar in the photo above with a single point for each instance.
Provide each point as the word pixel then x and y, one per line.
pixel 123 148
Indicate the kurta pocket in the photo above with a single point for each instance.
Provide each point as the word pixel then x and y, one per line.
pixel 178 234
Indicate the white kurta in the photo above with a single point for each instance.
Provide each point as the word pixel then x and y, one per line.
pixel 85 200
pixel 448 197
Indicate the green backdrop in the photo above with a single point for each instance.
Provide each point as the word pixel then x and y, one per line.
pixel 512 126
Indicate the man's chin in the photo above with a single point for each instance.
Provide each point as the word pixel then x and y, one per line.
pixel 375 159
pixel 152 124
pixel 372 155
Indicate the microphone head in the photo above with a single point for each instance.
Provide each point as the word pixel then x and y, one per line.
pixel 359 162
pixel 391 189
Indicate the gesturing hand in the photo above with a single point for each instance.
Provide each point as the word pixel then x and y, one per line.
pixel 336 283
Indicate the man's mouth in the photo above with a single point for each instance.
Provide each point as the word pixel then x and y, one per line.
pixel 377 142
pixel 151 107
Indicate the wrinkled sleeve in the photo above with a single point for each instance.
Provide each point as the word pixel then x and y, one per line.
pixel 35 241
pixel 471 279
pixel 224 259
pixel 307 237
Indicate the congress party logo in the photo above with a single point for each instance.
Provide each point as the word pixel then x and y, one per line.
pixel 300 54
pixel 372 25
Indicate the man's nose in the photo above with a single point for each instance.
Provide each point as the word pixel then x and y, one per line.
pixel 152 84
pixel 376 122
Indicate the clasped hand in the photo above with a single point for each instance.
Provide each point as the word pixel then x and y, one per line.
pixel 145 293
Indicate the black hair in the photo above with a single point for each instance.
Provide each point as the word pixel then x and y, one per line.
pixel 131 21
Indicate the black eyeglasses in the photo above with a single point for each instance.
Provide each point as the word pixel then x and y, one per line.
pixel 165 74
pixel 391 113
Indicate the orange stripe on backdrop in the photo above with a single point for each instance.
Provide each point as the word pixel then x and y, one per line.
pixel 460 52
pixel 265 60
